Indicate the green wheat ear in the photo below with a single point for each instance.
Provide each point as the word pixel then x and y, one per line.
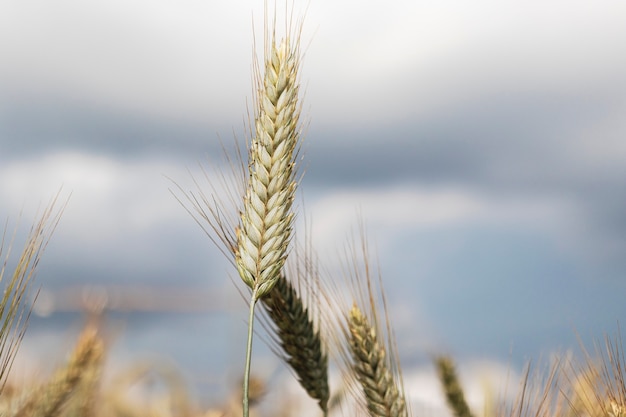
pixel 452 387
pixel 301 343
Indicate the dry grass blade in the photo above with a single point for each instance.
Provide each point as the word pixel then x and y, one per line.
pixel 14 312
pixel 613 376
pixel 601 381
pixel 299 340
pixel 452 387
pixel 539 394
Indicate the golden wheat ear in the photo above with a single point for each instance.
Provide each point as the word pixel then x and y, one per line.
pixel 452 387
pixel 53 396
pixel 14 312
pixel 172 401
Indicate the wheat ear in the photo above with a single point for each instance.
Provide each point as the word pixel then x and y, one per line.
pixel 88 353
pixel 266 220
pixel 372 369
pixel 299 339
pixel 452 387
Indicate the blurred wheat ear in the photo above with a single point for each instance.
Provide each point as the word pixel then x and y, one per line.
pixel 53 396
pixel 14 311
pixel 174 401
pixel 452 387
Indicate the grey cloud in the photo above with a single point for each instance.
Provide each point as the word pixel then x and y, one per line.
pixel 40 125
pixel 520 142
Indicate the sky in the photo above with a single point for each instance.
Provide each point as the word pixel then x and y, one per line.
pixel 482 143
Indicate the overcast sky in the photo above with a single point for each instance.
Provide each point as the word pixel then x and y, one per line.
pixel 483 142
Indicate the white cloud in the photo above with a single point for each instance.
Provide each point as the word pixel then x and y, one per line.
pixel 389 212
pixel 158 57
pixel 107 195
pixel 394 207
pixel 120 213
pixel 412 60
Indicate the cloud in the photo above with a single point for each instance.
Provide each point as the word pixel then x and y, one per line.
pixel 484 140
pixel 411 208
pixel 389 209
pixel 364 65
pixel 144 57
pixel 121 223
pixel 416 60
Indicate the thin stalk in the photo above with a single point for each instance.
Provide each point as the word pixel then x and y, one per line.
pixel 246 373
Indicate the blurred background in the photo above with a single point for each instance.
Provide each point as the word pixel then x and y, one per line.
pixel 481 142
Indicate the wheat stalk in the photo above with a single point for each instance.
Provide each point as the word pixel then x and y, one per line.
pixel 299 339
pixel 266 219
pixel 260 243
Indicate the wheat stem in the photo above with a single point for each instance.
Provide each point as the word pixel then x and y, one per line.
pixel 246 373
pixel 266 220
